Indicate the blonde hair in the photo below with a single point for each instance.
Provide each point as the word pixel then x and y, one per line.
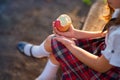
pixel 109 15
pixel 111 22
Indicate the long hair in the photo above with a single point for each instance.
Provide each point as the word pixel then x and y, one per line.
pixel 110 10
pixel 112 22
pixel 108 18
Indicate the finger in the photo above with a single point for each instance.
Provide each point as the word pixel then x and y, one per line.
pixel 57 35
pixel 71 27
pixel 58 39
pixel 57 31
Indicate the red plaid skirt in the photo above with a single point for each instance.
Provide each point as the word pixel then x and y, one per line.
pixel 73 69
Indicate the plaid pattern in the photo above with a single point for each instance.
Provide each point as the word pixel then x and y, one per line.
pixel 73 69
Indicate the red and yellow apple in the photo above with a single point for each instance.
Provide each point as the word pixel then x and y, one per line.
pixel 62 23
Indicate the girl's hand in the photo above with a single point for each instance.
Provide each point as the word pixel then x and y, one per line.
pixel 65 41
pixel 69 33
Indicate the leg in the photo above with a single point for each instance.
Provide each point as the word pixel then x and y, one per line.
pixel 37 51
pixel 50 71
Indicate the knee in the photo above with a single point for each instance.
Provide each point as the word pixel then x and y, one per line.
pixel 48 39
pixel 48 42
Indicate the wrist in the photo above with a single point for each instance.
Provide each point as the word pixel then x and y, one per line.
pixel 75 31
pixel 70 46
pixel 73 34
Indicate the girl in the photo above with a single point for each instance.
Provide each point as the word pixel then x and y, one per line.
pixel 89 56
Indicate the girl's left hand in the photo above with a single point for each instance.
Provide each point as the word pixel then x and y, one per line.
pixel 65 41
pixel 70 33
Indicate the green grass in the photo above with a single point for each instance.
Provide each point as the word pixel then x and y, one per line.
pixel 88 2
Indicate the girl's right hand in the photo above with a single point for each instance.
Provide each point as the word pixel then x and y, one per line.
pixel 69 33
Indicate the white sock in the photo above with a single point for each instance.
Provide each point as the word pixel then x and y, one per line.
pixel 37 51
pixel 49 72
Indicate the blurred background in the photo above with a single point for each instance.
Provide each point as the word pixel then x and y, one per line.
pixel 31 21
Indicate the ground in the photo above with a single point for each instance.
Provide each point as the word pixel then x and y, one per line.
pixel 31 21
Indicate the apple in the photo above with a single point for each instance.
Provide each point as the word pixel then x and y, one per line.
pixel 62 23
pixel 61 28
